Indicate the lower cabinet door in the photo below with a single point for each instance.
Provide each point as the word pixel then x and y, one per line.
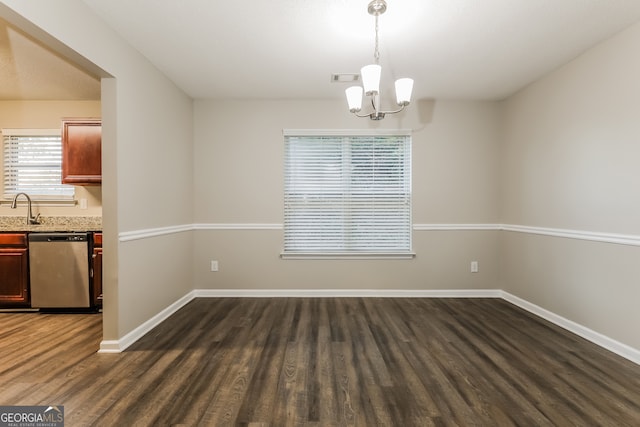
pixel 14 282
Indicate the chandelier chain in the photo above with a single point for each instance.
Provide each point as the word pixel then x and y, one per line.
pixel 376 52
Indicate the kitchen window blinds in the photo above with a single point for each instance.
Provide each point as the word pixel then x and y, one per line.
pixel 347 194
pixel 32 164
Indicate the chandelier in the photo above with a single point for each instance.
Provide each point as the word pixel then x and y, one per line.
pixel 371 78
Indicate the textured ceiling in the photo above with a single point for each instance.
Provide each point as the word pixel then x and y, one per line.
pixel 31 71
pixel 474 49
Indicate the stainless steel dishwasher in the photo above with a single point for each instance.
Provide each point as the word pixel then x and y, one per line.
pixel 59 270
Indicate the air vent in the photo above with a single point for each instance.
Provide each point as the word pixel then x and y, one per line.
pixel 345 77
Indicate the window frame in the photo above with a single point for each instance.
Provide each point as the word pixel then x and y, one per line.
pixel 58 199
pixel 380 253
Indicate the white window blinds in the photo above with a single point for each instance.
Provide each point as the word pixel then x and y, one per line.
pixel 347 194
pixel 32 164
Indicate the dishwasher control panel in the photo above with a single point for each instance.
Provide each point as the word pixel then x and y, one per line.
pixel 58 237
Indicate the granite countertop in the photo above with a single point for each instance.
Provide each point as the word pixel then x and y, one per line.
pixel 52 223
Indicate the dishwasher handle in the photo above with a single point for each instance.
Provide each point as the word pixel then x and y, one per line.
pixel 58 239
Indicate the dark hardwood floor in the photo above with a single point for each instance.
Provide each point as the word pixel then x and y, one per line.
pixel 321 362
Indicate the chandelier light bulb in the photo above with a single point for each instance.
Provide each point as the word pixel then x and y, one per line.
pixel 404 87
pixel 371 79
pixel 354 98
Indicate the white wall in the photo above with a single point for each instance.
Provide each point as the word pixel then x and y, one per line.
pixel 238 163
pixel 570 162
pixel 147 147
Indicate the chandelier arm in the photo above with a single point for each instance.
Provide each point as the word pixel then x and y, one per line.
pixel 394 111
pixel 362 115
pixel 379 113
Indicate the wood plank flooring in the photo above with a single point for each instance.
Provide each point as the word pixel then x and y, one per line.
pixel 321 362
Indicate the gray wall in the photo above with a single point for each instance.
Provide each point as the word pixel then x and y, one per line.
pixel 570 157
pixel 238 163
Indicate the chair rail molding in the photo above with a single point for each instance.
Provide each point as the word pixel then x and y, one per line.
pixel 594 236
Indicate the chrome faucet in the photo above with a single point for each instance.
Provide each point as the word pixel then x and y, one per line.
pixel 30 218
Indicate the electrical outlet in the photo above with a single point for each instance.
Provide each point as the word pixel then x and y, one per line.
pixel 214 265
pixel 474 266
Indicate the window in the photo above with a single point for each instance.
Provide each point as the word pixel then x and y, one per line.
pixel 347 193
pixel 32 164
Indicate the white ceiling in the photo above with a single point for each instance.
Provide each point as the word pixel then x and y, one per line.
pixel 471 49
pixel 289 48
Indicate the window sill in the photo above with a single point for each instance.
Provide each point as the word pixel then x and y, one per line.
pixel 339 255
pixel 39 202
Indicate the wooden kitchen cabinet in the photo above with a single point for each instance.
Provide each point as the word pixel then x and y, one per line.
pixel 96 270
pixel 82 151
pixel 14 275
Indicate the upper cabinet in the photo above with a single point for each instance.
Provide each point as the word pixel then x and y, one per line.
pixel 82 151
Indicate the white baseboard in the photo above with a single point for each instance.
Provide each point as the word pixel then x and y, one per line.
pixel 117 346
pixel 347 293
pixel 603 341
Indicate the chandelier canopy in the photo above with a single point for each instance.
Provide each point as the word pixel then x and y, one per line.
pixel 371 78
